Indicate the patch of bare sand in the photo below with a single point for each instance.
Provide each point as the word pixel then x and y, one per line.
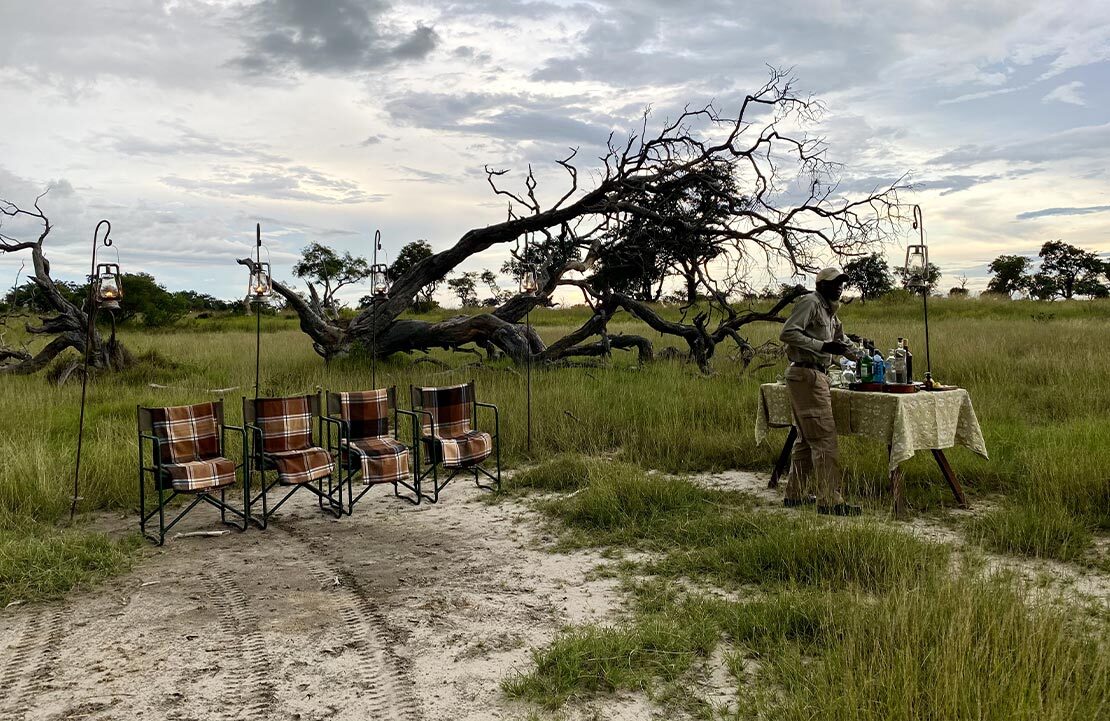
pixel 398 612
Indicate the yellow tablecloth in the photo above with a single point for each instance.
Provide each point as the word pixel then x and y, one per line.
pixel 907 422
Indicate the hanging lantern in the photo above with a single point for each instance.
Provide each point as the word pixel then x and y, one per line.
pixel 379 280
pixel 917 266
pixel 529 281
pixel 109 289
pixel 261 286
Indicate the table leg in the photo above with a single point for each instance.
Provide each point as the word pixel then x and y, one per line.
pixel 783 462
pixel 897 491
pixel 950 476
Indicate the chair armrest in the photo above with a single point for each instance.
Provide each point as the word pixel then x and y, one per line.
pixel 343 428
pixel 431 423
pixel 157 451
pixel 496 416
pixel 254 433
pixel 415 425
pixel 223 445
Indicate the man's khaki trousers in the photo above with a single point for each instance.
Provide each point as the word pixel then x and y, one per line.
pixel 816 459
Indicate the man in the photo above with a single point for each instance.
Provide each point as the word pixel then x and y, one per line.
pixel 814 336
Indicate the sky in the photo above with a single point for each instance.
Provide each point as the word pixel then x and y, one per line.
pixel 185 122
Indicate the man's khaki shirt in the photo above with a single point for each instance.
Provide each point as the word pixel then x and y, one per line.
pixel 811 324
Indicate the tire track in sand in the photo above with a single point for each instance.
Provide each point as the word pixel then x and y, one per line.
pixel 253 689
pixel 29 671
pixel 389 692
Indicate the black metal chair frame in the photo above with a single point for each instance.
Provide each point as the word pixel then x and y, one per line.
pixel 353 466
pixel 434 462
pixel 258 461
pixel 161 480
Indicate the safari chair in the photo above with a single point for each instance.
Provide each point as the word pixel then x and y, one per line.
pixel 280 435
pixel 364 446
pixel 186 458
pixel 449 436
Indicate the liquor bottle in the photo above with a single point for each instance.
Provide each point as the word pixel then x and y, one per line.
pixel 878 369
pixel 909 361
pixel 865 367
pixel 891 374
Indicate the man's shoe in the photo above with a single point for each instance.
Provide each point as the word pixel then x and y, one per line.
pixel 840 509
pixel 803 501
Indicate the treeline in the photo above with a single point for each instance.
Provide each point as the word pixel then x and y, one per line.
pixel 147 302
pixel 1061 271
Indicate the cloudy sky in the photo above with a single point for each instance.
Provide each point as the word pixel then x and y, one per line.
pixel 184 121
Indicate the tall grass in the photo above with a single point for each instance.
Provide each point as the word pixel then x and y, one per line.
pixel 1037 383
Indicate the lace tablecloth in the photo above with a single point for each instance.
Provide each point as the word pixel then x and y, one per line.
pixel 907 422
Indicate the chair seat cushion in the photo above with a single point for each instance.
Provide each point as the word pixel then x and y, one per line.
pixel 462 451
pixel 382 460
pixel 301 466
pixel 195 476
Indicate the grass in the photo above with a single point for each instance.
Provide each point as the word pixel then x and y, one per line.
pixel 40 562
pixel 819 620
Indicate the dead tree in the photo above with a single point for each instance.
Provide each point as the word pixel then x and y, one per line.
pixel 765 225
pixel 69 325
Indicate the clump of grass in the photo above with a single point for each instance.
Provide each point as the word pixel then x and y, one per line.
pixel 805 551
pixel 1044 530
pixel 40 562
pixel 957 648
pixel 570 472
pixel 706 533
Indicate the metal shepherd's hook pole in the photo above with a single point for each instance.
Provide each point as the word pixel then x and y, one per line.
pixel 257 310
pixel 91 309
pixel 374 316
pixel 919 226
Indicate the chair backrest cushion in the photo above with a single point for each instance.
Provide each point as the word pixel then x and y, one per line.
pixel 188 433
pixel 450 407
pixel 366 412
pixel 286 423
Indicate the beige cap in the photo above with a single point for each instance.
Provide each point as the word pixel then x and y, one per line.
pixel 831 273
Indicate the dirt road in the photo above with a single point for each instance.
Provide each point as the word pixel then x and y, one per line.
pixel 398 612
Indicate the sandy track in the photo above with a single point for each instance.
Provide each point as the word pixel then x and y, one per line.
pixel 398 612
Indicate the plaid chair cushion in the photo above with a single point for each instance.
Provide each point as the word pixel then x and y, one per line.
pixel 187 433
pixel 286 423
pixel 366 413
pixel 200 475
pixel 383 460
pixel 450 408
pixel 301 466
pixel 466 450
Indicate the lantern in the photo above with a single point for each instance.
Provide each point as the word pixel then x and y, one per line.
pixel 529 282
pixel 260 287
pixel 379 280
pixel 917 266
pixel 109 289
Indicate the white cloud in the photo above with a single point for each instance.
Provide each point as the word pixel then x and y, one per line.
pixel 1067 93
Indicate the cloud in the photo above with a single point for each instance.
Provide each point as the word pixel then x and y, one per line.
pixel 334 37
pixel 422 176
pixel 1082 142
pixel 1053 212
pixel 297 183
pixel 1067 93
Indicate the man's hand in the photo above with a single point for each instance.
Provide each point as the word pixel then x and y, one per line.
pixel 836 348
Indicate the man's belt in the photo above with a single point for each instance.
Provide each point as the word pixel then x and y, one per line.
pixel 812 366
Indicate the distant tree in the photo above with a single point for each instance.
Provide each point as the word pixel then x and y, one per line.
pixel 1067 271
pixel 409 256
pixel 194 301
pixel 958 291
pixel 145 300
pixel 320 264
pixel 465 288
pixel 870 276
pixel 30 297
pixel 932 277
pixel 1010 275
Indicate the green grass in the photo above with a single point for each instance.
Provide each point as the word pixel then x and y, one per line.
pixel 1033 530
pixel 842 619
pixel 40 562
